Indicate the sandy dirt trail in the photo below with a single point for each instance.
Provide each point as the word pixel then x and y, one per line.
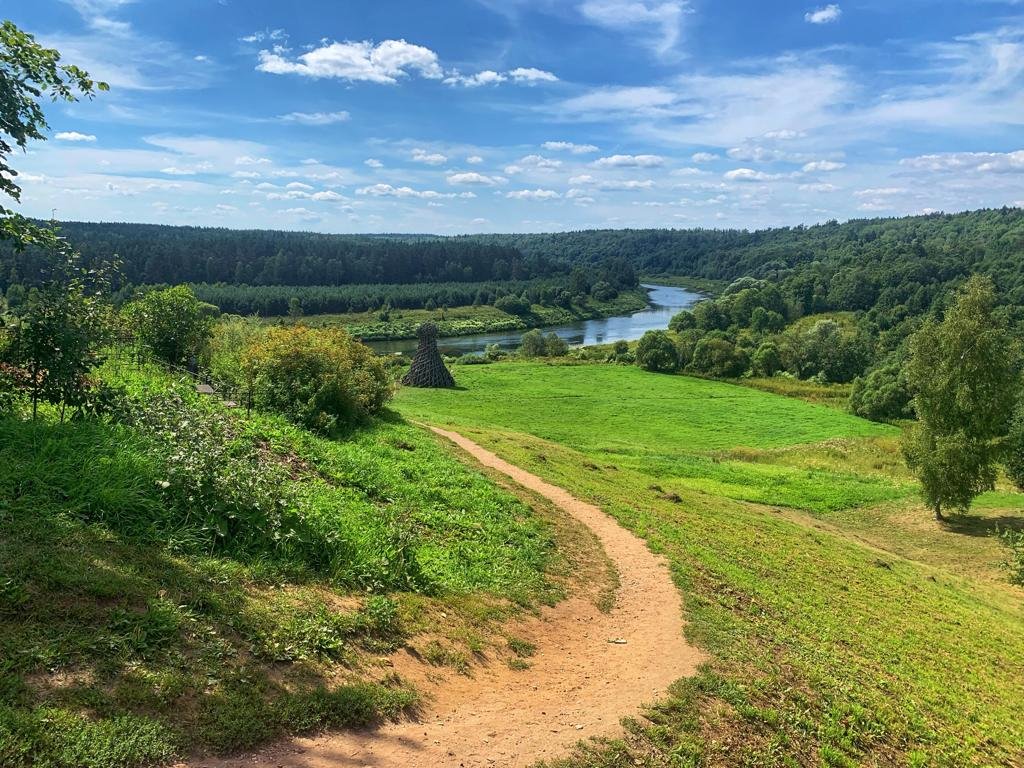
pixel 579 684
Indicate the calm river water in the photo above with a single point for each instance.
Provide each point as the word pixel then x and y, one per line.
pixel 665 301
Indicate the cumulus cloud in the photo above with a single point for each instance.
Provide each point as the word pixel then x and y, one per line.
pixel 749 174
pixel 568 146
pixel 630 161
pixel 487 77
pixel 74 136
pixel 474 159
pixel 472 177
pixel 385 63
pixel 249 160
pixel 532 194
pixel 822 166
pixel 315 118
pixel 818 187
pixel 387 190
pixel 656 24
pixel 703 157
pixel 530 75
pixel 428 158
pixel 825 15
pixel 980 162
pixel 373 162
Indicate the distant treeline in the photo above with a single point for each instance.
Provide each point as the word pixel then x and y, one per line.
pixel 267 300
pixel 893 268
pixel 156 254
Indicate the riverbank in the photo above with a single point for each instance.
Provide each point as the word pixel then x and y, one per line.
pixel 470 320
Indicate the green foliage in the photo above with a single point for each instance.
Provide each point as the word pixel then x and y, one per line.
pixel 1014 447
pixel 532 344
pixel 513 305
pixel 964 372
pixel 555 345
pixel 28 72
pixel 682 321
pixel 831 353
pixel 719 357
pixel 222 354
pixel 55 338
pixel 656 352
pixel 767 360
pixel 171 323
pixel 883 394
pixel 321 379
pixel 1014 563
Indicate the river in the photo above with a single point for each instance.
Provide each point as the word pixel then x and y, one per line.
pixel 665 301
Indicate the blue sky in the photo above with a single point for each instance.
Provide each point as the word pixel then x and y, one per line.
pixel 529 115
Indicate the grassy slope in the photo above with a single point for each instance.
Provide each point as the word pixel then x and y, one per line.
pixel 117 651
pixel 833 641
pixel 464 321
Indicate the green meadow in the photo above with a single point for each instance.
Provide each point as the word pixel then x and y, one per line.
pixel 844 627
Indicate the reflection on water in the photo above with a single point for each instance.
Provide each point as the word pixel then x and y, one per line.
pixel 665 301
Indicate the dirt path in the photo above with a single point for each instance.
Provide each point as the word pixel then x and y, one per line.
pixel 579 684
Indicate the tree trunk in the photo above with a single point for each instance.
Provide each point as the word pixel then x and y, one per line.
pixel 938 513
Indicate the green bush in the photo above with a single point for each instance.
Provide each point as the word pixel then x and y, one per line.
pixel 656 352
pixel 171 323
pixel 555 346
pixel 767 360
pixel 883 394
pixel 321 379
pixel 514 305
pixel 533 344
pixel 719 357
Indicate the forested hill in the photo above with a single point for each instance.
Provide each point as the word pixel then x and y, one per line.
pixel 853 265
pixel 929 246
pixel 152 253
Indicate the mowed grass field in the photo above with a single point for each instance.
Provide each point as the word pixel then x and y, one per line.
pixel 703 435
pixel 844 626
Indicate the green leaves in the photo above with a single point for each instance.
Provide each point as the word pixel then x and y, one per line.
pixel 28 72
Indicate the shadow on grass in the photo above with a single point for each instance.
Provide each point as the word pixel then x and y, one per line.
pixel 975 525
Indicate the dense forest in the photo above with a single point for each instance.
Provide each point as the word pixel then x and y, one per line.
pixel 157 254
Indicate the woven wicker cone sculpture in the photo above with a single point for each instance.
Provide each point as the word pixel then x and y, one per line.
pixel 428 369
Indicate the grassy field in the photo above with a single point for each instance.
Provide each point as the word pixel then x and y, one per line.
pixel 845 627
pixel 131 633
pixel 465 321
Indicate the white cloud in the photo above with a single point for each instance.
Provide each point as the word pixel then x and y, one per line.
pixel 825 15
pixel 568 146
pixel 472 177
pixel 487 77
pixel 315 118
pixel 74 136
pixel 327 196
pixel 531 75
pixel 979 162
pixel 175 171
pixel 537 161
pixel 749 174
pixel 249 160
pixel 268 34
pixel 373 162
pixel 245 175
pixel 586 179
pixel 630 161
pixel 298 185
pixel 474 159
pixel 384 62
pixel 533 194
pixel 703 157
pixel 818 187
pixel 387 190
pixel 822 166
pixel 880 191
pixel 657 24
pixel 429 158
